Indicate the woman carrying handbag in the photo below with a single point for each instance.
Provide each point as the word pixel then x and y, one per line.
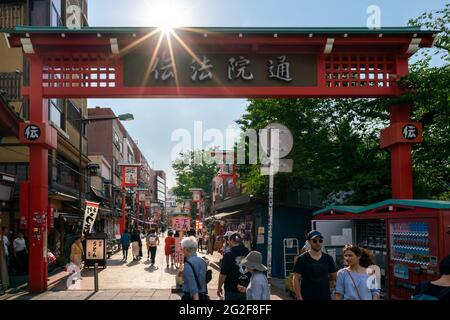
pixel 352 282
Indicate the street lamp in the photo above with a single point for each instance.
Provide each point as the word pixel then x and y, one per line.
pixel 121 117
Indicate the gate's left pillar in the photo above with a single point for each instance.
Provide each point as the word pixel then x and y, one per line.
pixel 38 175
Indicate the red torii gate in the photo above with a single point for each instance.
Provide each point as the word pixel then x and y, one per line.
pixel 125 63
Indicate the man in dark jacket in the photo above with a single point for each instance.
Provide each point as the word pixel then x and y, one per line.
pixel 231 272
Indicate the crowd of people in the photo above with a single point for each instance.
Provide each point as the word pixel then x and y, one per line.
pixel 243 276
pixel 16 252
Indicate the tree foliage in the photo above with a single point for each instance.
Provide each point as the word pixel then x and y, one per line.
pixel 336 142
pixel 193 174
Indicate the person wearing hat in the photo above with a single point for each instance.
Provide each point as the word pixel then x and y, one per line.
pixel 258 288
pixel 313 270
pixel 226 237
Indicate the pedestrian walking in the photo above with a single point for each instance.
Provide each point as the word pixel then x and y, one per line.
pixel 20 253
pixel 438 289
pixel 313 270
pixel 77 252
pixel 169 248
pixel 5 244
pixel 200 240
pixel 232 273
pixel 125 242
pixel 135 240
pixel 152 245
pixel 194 272
pixel 353 281
pixel 206 241
pixel 258 288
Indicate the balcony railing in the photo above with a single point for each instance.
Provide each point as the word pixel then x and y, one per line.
pixel 11 15
pixel 11 84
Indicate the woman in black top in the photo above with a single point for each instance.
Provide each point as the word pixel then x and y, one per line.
pixel 439 288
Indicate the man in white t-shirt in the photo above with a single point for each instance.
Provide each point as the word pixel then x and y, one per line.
pixel 20 253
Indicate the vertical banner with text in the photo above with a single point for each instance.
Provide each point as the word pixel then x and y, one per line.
pixel 90 214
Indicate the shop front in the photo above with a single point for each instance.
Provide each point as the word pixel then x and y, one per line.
pixel 250 216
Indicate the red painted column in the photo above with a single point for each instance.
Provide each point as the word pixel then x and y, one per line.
pixel 138 210
pixel 37 281
pixel 122 221
pixel 145 216
pixel 401 158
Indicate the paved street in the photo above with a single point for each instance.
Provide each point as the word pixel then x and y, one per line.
pixel 130 280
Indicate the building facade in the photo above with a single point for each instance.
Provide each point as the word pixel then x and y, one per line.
pixel 68 163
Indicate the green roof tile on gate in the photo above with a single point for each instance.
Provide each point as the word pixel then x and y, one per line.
pixel 432 204
pixel 249 30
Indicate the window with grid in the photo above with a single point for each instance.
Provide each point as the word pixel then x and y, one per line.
pixel 79 72
pixel 360 71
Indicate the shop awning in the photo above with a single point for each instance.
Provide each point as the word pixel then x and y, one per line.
pixel 53 194
pixel 98 193
pixel 222 215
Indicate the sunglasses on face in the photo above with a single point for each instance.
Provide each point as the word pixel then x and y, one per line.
pixel 317 241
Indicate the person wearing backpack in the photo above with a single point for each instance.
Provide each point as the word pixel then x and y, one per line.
pixel 152 245
pixel 438 289
pixel 194 272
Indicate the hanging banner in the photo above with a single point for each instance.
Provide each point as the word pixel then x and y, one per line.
pixel 198 225
pixel 130 176
pixel 181 223
pixel 178 256
pixel 90 214
pixel 196 196
pixel 142 196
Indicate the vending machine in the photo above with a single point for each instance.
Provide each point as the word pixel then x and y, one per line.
pixel 408 238
pixel 414 254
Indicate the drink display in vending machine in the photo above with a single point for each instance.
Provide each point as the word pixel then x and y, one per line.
pixel 413 257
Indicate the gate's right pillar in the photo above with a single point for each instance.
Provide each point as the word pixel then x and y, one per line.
pixel 398 138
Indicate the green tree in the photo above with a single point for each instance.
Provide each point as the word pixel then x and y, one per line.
pixel 193 169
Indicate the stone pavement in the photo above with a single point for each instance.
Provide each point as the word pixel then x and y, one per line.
pixel 127 280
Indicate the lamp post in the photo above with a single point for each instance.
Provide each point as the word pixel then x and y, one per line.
pixel 122 117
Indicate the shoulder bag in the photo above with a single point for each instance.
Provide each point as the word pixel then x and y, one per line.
pixel 201 295
pixel 354 284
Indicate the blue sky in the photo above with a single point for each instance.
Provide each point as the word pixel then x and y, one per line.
pixel 156 119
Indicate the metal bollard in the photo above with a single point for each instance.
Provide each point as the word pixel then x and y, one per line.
pixel 96 277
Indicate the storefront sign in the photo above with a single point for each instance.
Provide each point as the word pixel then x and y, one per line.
pixel 261 230
pixel 181 223
pixel 141 196
pixel 94 249
pixel 89 216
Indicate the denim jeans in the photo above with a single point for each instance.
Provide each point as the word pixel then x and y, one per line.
pixel 235 296
pixel 152 253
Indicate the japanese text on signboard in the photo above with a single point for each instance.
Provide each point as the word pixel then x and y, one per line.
pixel 181 223
pixel 89 216
pixel 94 249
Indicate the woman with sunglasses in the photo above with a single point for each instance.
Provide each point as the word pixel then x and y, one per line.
pixel 353 281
